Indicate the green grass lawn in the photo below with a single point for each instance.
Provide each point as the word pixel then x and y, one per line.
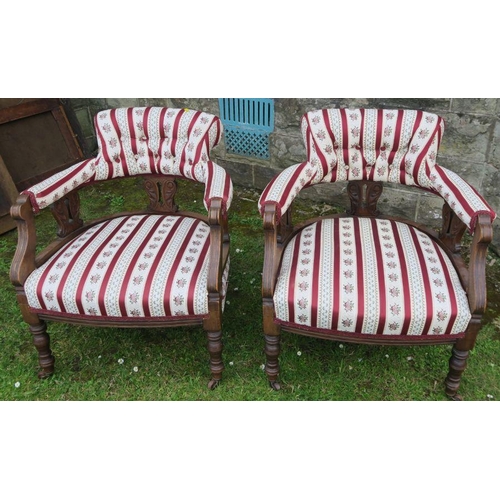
pixel 172 364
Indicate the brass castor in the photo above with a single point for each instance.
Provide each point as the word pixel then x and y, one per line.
pixel 213 384
pixel 275 385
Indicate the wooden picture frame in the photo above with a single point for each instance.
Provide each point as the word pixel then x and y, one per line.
pixel 8 195
pixel 36 141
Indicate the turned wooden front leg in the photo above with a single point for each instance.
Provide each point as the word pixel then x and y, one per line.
pixel 215 351
pixel 458 363
pixel 38 329
pixel 42 343
pixel 272 360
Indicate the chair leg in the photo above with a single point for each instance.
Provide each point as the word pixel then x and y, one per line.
pixel 215 351
pixel 42 343
pixel 272 361
pixel 460 354
pixel 458 363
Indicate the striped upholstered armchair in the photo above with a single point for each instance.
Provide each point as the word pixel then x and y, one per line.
pixel 154 267
pixel 367 278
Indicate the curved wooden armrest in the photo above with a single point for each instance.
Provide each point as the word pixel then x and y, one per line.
pixel 271 250
pixel 23 263
pixel 483 234
pixel 276 232
pixel 219 245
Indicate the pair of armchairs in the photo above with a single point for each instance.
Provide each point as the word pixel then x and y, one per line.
pixel 358 277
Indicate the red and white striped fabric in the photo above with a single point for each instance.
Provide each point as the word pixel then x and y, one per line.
pixel 153 266
pixel 366 276
pixel 141 141
pixel 397 146
pixel 463 199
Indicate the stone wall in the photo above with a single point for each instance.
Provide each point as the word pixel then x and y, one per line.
pixel 470 146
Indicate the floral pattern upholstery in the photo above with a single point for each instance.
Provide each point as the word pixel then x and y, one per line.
pixel 153 266
pixel 369 276
pixel 397 146
pixel 148 140
pixel 364 276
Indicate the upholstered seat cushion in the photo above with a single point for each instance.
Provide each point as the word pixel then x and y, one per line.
pixel 135 266
pixel 368 276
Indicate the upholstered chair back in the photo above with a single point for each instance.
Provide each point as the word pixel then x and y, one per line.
pixel 138 141
pixel 394 146
pixel 397 146
pixel 142 141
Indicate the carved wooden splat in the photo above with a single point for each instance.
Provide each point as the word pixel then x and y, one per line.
pixel 364 196
pixel 161 190
pixel 66 212
pixel 452 230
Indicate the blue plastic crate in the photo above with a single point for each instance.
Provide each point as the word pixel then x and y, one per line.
pixel 247 124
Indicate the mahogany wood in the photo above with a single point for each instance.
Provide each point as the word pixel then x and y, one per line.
pixel 364 196
pixel 66 211
pixel 161 190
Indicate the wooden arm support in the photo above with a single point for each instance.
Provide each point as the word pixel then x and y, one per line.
pixel 275 236
pixel 219 245
pixel 483 234
pixel 215 269
pixel 473 278
pixel 270 251
pixel 219 252
pixel 66 212
pixel 23 263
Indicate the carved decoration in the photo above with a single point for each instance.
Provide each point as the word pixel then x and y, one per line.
pixel 285 227
pixel 66 212
pixel 161 192
pixel 364 196
pixel 452 230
